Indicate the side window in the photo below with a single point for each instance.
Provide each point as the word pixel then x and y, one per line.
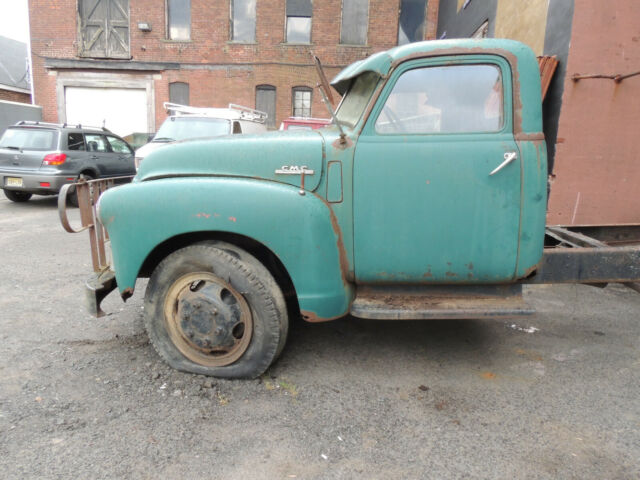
pixel 179 93
pixel 243 21
pixel 96 143
pixel 75 141
pixel 266 102
pixel 179 20
pixel 301 102
pixel 299 21
pixel 355 21
pixel 118 146
pixel 451 99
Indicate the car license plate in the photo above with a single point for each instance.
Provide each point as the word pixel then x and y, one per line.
pixel 13 182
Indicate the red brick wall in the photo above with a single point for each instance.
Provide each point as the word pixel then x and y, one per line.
pixel 219 71
pixel 15 96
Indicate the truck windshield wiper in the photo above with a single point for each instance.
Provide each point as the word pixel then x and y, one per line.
pixel 163 139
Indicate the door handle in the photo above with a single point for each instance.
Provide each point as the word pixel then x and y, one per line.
pixel 94 157
pixel 508 158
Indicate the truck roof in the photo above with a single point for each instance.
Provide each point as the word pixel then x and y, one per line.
pixel 526 73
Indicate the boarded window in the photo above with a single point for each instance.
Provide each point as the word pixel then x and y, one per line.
pixel 179 19
pixel 355 21
pixel 243 21
pixel 299 14
pixel 179 93
pixel 266 102
pixel 411 21
pixel 301 102
pixel 452 99
pixel 104 28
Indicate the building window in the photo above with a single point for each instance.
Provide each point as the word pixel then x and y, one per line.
pixel 179 19
pixel 104 28
pixel 299 21
pixel 243 21
pixel 179 93
pixel 355 21
pixel 411 21
pixel 266 102
pixel 301 102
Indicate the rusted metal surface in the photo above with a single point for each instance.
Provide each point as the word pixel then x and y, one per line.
pixel 616 77
pixel 439 302
pixel 88 194
pixel 596 166
pixel 548 66
pixel 207 319
pixel 578 258
pixel 97 287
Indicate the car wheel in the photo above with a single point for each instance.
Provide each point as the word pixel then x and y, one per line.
pixel 209 312
pixel 73 194
pixel 17 196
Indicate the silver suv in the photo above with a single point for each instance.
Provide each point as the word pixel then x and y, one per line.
pixel 39 158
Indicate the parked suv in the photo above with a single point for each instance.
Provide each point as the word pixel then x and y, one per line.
pixel 185 122
pixel 39 158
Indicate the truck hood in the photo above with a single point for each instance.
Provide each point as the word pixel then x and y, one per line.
pixel 271 156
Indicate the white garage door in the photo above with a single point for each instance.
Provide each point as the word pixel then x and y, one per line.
pixel 121 110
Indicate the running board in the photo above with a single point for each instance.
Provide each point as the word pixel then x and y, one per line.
pixel 439 302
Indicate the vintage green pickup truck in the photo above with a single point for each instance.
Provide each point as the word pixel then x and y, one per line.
pixel 425 199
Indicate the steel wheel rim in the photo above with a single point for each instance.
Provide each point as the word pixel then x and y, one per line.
pixel 190 336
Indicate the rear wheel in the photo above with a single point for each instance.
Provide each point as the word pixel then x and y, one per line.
pixel 73 195
pixel 17 196
pixel 209 312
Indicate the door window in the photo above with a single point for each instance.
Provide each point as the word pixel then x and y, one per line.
pixel 118 146
pixel 446 99
pixel 96 143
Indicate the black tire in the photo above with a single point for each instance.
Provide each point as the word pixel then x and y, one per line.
pixel 257 266
pixel 208 311
pixel 17 197
pixel 73 194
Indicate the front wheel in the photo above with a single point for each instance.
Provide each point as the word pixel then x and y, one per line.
pixel 211 313
pixel 17 196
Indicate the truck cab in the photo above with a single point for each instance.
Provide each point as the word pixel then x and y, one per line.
pixel 425 199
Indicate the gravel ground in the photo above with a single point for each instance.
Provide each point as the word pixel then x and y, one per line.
pixel 551 396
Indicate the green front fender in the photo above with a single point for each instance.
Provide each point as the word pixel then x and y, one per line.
pixel 298 229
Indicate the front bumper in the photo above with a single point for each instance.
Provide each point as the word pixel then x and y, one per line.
pixel 32 183
pixel 97 287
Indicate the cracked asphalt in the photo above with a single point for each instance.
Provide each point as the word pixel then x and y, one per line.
pixel 552 396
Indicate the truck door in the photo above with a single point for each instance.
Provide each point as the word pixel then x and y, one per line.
pixel 427 208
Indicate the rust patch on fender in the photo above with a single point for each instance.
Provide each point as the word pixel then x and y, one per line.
pixel 126 293
pixel 342 254
pixel 529 137
pixel 312 317
pixel 341 144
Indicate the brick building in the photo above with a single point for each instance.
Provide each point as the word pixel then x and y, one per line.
pixel 118 61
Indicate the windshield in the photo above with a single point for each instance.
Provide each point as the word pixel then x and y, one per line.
pixel 182 128
pixel 29 139
pixel 357 98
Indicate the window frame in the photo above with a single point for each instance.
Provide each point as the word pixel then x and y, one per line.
pixel 286 24
pixel 255 25
pixel 366 39
pixel 168 24
pixel 449 61
pixel 188 87
pixel 268 87
pixel 304 89
pixel 424 23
